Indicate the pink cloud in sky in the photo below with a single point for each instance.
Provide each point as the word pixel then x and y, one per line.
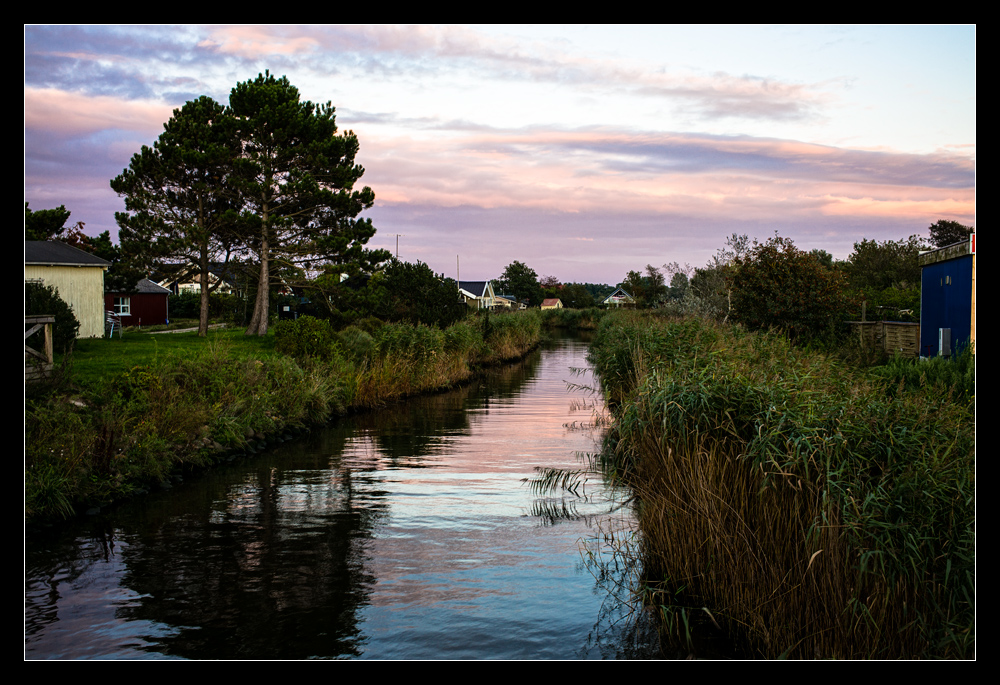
pixel 664 173
pixel 918 209
pixel 63 113
pixel 253 42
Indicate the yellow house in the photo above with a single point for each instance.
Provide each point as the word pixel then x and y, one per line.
pixel 78 277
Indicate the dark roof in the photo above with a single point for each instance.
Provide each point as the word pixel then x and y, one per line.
pixel 54 253
pixel 477 288
pixel 144 287
pixel 147 286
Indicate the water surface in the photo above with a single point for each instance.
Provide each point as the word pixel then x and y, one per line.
pixel 403 534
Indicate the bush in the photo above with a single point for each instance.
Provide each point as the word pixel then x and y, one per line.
pixel 416 295
pixel 943 378
pixel 185 305
pixel 305 337
pixel 39 300
pixel 776 285
pixel 355 342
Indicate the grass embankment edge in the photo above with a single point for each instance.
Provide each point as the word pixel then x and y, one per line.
pixel 198 402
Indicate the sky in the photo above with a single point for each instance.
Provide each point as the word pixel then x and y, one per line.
pixel 583 151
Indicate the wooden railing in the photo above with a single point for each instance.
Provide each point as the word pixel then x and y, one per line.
pixel 38 364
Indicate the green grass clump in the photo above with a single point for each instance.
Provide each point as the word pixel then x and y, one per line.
pixel 578 319
pixel 945 378
pixel 813 509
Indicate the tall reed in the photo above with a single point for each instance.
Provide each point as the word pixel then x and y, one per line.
pixel 802 506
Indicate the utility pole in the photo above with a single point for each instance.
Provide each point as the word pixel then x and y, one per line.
pixel 397 243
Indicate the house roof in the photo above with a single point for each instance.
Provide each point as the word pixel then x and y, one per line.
pixel 477 288
pixel 618 294
pixel 942 254
pixel 144 287
pixel 147 286
pixel 55 253
pixel 550 302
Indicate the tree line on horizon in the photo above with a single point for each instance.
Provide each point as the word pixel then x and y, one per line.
pixel 766 284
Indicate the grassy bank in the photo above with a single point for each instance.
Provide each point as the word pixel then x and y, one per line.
pixel 126 413
pixel 802 508
pixel 573 319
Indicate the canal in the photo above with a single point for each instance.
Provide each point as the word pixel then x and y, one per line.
pixel 402 534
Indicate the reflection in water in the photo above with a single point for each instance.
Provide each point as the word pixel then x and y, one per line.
pixel 406 533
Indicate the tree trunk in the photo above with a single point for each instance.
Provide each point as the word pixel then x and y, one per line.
pixel 258 322
pixel 203 313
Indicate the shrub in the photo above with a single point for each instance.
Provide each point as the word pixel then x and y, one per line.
pixel 776 285
pixel 39 300
pixel 305 337
pixel 187 305
pixel 356 343
pixel 415 294
pixel 942 377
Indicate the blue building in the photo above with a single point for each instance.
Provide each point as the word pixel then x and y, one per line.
pixel 948 299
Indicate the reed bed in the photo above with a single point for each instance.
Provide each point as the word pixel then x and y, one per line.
pixel 577 319
pixel 801 507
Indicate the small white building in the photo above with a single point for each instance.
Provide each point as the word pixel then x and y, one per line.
pixel 77 276
pixel 619 298
pixel 478 294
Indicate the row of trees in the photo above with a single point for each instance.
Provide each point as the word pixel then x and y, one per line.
pixel 775 284
pixel 522 282
pixel 809 294
pixel 267 177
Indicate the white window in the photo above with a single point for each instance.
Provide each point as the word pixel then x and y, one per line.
pixel 123 306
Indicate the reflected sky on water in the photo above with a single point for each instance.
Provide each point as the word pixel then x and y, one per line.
pixel 405 533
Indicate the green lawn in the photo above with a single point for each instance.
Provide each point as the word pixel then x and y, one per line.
pixel 95 359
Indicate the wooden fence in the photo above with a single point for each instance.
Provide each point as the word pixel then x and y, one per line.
pixel 891 336
pixel 38 364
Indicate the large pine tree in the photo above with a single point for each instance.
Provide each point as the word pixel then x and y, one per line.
pixel 296 178
pixel 178 199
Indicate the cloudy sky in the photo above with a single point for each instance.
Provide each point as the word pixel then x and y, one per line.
pixel 582 151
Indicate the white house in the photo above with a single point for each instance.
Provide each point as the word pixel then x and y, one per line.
pixel 77 276
pixel 618 298
pixel 478 294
